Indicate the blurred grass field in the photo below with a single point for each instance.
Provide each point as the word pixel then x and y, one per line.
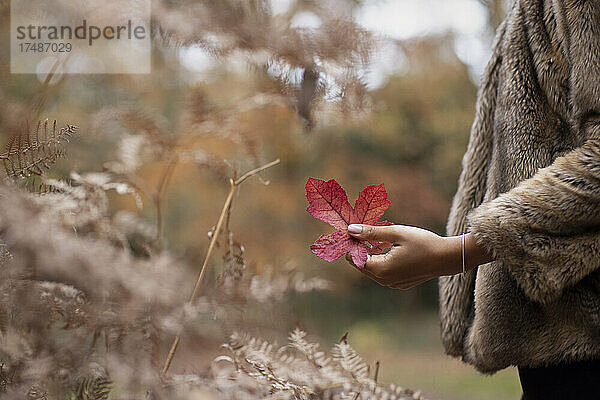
pixel 405 340
pixel 410 352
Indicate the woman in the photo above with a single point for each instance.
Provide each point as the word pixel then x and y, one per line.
pixel 527 292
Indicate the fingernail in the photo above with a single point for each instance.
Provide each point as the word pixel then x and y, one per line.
pixel 354 228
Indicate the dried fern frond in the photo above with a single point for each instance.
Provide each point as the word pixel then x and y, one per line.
pixel 298 59
pixel 37 393
pixel 310 350
pixel 350 361
pixel 6 378
pixel 94 388
pixel 4 319
pixel 31 153
pixel 91 264
pixel 64 302
pixel 46 187
pixel 263 373
pixel 270 286
pixel 314 375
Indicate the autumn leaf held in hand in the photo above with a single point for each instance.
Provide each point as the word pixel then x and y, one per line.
pixel 329 203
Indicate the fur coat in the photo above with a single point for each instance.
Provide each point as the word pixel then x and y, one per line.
pixel 530 193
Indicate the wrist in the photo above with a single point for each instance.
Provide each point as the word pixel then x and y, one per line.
pixel 450 256
pixel 477 254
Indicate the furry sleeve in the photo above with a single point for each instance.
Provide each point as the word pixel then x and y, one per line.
pixel 546 231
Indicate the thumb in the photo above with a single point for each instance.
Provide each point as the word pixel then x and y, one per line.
pixel 369 232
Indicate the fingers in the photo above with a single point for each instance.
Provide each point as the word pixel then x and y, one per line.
pixel 370 263
pixel 407 285
pixel 386 281
pixel 376 233
pixel 378 269
pixel 365 271
pixel 378 264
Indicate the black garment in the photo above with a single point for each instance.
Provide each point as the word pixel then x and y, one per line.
pixel 579 381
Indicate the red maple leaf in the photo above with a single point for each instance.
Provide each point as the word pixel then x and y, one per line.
pixel 329 203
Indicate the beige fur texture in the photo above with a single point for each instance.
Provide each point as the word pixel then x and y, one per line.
pixel 530 193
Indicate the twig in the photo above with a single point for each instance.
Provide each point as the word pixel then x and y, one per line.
pixel 344 338
pixel 234 185
pixel 255 171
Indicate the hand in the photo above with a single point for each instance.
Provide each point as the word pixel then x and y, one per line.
pixel 418 255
